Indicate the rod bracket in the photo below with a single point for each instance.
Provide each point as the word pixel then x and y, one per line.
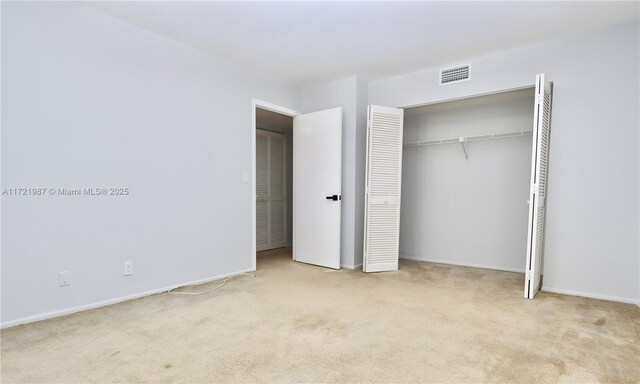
pixel 466 156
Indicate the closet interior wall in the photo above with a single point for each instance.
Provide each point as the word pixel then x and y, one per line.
pixel 471 211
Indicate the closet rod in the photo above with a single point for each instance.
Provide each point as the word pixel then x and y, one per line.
pixel 464 139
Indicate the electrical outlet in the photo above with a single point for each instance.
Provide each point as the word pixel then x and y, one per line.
pixel 128 268
pixel 63 278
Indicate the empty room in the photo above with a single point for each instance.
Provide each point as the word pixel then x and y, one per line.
pixel 320 192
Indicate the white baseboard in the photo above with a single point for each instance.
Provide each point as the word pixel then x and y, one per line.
pixel 591 295
pixel 346 266
pixel 461 264
pixel 544 288
pixel 68 311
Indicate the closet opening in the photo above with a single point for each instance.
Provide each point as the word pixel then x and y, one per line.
pixel 466 181
pixel 273 183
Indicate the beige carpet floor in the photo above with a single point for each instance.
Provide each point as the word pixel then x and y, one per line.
pixel 300 323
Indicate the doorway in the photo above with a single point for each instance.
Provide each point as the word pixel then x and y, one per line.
pixel 312 219
pixel 273 173
pixel 274 187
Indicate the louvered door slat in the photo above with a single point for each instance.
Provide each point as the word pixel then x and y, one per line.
pixel 262 165
pixel 382 200
pixel 539 167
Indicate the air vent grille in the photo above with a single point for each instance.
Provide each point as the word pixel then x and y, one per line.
pixel 455 74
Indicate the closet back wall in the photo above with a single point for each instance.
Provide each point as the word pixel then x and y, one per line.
pixel 468 212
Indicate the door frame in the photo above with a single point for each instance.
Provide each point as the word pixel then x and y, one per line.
pixel 470 96
pixel 256 103
pixel 498 91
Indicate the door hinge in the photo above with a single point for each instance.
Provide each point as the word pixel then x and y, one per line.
pixel 538 99
pixel 535 188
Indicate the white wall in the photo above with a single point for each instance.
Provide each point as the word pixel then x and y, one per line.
pixel 362 102
pixel 89 101
pixel 593 227
pixel 468 211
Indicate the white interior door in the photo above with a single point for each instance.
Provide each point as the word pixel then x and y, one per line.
pixel 270 190
pixel 317 178
pixel 382 191
pixel 539 158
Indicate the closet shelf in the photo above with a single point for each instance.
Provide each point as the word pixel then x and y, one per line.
pixel 465 139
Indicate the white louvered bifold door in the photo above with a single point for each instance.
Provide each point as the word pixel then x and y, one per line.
pixel 262 191
pixel 270 190
pixel 276 191
pixel 382 190
pixel 537 196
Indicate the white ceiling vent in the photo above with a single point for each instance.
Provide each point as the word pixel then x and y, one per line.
pixel 455 74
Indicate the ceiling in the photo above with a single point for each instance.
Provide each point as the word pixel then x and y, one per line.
pixel 271 120
pixel 308 42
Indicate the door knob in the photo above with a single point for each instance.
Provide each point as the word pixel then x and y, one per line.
pixel 334 197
